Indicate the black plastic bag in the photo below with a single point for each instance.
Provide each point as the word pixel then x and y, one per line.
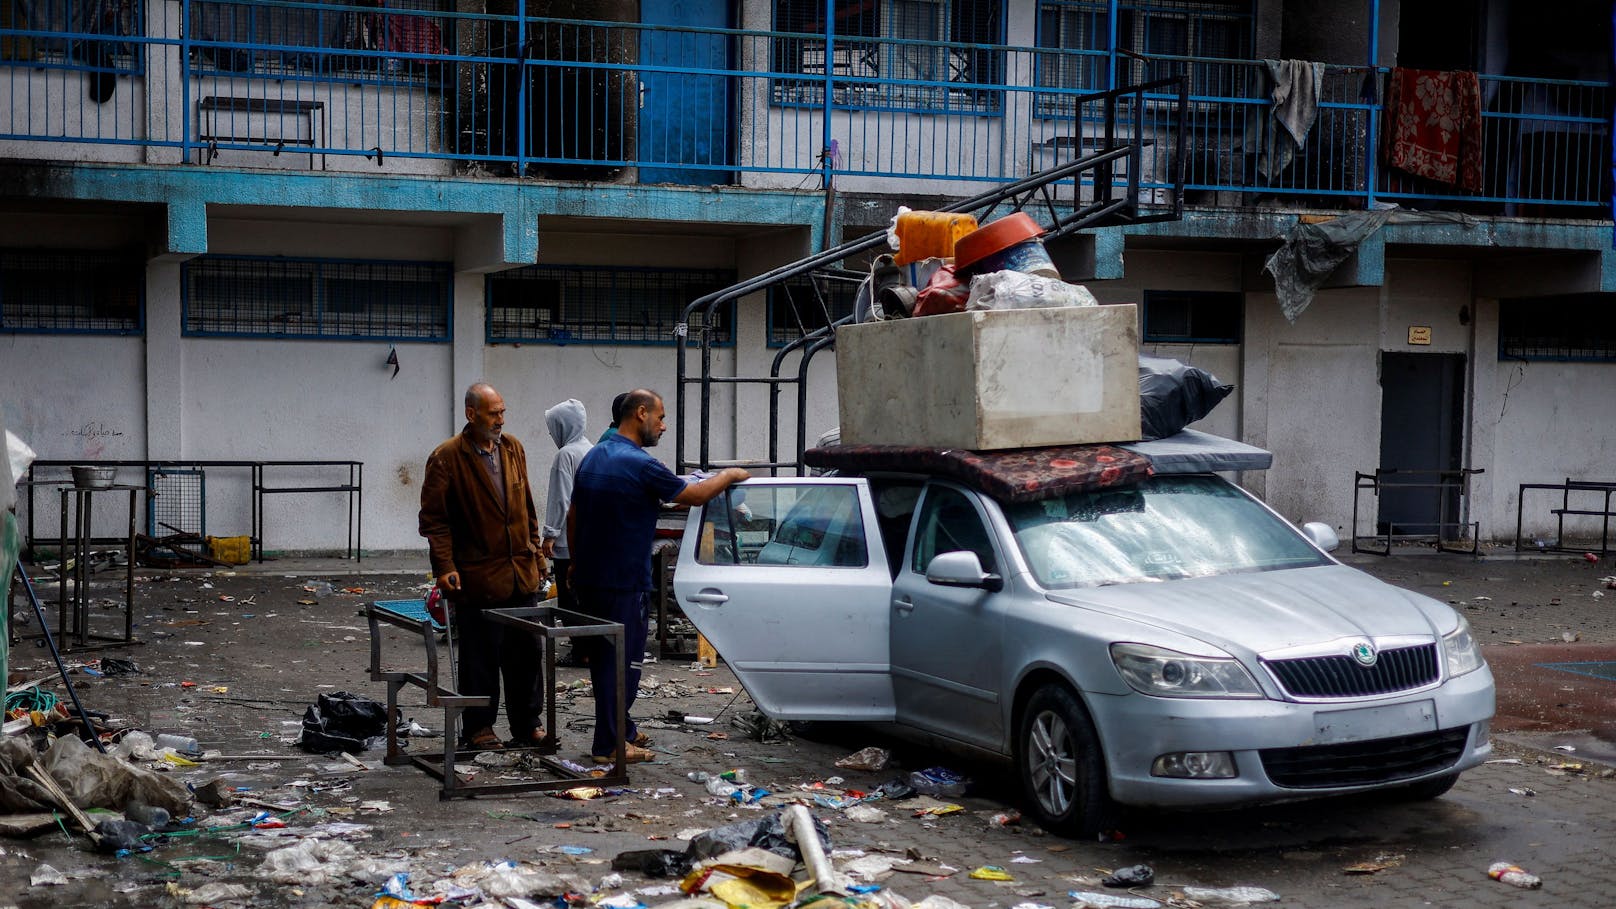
pixel 341 722
pixel 768 833
pixel 654 862
pixel 1173 395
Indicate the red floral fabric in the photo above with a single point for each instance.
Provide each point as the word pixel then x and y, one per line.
pixel 1018 475
pixel 1433 127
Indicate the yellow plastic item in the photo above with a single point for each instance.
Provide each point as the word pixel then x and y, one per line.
pixel 928 234
pixel 235 550
pixel 991 873
pixel 706 655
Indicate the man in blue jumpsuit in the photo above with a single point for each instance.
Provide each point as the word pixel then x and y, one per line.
pixel 617 493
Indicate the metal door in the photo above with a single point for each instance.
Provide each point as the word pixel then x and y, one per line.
pixel 947 641
pixel 684 116
pixel 788 580
pixel 1421 429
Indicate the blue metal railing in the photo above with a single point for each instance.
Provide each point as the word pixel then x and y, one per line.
pixel 414 89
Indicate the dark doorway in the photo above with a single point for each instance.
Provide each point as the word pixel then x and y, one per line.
pixel 1421 429
pixel 1445 36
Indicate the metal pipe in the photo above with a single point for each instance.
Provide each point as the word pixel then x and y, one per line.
pixel 44 628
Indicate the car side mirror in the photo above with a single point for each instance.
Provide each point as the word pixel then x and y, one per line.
pixel 961 569
pixel 1322 535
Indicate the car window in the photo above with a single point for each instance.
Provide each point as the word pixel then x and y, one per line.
pixel 1166 528
pixel 784 525
pixel 949 523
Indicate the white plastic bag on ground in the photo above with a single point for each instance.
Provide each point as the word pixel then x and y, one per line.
pixel 95 780
pixel 308 862
pixel 1019 290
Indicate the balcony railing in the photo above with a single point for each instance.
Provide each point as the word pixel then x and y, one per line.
pixel 413 89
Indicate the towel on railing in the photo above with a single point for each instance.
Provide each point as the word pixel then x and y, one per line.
pixel 1295 94
pixel 1433 126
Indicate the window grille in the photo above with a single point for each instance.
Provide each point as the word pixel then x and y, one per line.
pixel 1573 327
pixel 1075 35
pixel 893 54
pixel 808 303
pixel 352 40
pixel 91 36
pixel 559 304
pixel 1192 317
pixel 247 296
pixel 66 291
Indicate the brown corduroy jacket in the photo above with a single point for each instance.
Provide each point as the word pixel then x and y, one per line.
pixel 493 544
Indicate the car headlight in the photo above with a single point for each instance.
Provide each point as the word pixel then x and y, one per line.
pixel 1460 651
pixel 1168 673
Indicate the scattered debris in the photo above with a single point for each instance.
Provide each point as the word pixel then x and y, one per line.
pixel 871 758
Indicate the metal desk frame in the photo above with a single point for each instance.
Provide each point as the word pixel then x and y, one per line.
pixel 1607 488
pixel 1447 483
pixel 547 624
pixel 77 635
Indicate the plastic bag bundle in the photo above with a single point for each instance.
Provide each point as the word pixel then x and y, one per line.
pixel 1020 290
pixel 1173 395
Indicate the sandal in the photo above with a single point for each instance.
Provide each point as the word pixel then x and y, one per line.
pixel 538 738
pixel 642 739
pixel 484 739
pixel 632 754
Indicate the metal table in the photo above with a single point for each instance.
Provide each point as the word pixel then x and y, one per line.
pixel 73 622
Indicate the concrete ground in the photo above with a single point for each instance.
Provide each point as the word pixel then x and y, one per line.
pixel 256 648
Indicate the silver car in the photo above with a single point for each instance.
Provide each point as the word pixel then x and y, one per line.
pixel 1170 643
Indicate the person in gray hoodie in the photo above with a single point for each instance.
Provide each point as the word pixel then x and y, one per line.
pixel 566 424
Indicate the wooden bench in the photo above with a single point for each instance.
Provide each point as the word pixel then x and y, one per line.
pixel 1581 508
pixel 546 623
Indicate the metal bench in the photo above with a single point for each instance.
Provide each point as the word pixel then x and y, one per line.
pixel 1582 507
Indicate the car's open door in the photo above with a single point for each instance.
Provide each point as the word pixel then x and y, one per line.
pixel 788 580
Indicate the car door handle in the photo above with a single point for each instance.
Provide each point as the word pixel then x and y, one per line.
pixel 904 605
pixel 709 598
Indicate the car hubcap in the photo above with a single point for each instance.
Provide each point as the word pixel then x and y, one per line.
pixel 1052 763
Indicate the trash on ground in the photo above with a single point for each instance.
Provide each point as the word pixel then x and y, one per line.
pixel 991 873
pixel 653 862
pixel 1378 864
pixel 760 728
pixel 1131 876
pixel 1514 875
pixel 1005 819
pixel 1094 898
pixel 1231 894
pixel 940 782
pixel 864 814
pixel 341 722
pixel 871 758
pixel 46 876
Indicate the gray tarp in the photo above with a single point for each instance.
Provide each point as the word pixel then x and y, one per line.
pixel 1193 451
pixel 1312 251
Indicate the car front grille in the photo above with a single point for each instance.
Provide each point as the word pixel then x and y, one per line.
pixel 1399 669
pixel 1363 763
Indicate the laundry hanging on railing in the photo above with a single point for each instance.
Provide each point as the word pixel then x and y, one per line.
pixel 1295 94
pixel 1312 251
pixel 1433 126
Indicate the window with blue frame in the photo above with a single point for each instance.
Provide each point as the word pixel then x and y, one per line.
pixel 1192 317
pixel 1571 327
pixel 1209 40
pixel 561 304
pixel 100 37
pixel 262 297
pixel 916 55
pixel 75 291
pixel 398 41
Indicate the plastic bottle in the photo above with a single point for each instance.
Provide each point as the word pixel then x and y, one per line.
pixel 322 589
pixel 738 775
pixel 698 776
pixel 180 743
pixel 1514 875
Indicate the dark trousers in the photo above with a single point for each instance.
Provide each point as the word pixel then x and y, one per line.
pixel 490 651
pixel 627 607
pixel 566 598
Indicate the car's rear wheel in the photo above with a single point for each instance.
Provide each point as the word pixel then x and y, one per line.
pixel 1060 764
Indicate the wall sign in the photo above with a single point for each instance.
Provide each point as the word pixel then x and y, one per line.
pixel 1419 334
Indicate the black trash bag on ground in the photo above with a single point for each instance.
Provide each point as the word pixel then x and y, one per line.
pixel 341 722
pixel 654 862
pixel 768 833
pixel 1173 395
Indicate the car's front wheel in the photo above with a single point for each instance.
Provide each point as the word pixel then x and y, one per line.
pixel 1061 766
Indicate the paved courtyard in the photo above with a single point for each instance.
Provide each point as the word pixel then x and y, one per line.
pixel 234 659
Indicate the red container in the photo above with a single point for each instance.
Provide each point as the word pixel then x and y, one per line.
pixel 994 238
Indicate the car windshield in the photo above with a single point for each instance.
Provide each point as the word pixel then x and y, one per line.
pixel 1163 529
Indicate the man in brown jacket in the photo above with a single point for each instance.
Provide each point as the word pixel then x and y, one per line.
pixel 478 518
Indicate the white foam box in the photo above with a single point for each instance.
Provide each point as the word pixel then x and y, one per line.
pixel 1015 378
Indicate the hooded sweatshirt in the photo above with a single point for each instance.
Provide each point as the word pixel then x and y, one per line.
pixel 566 424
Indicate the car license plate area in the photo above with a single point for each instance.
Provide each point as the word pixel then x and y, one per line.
pixel 1363 723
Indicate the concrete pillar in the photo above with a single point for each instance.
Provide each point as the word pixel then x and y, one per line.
pixel 469 328
pixel 165 362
